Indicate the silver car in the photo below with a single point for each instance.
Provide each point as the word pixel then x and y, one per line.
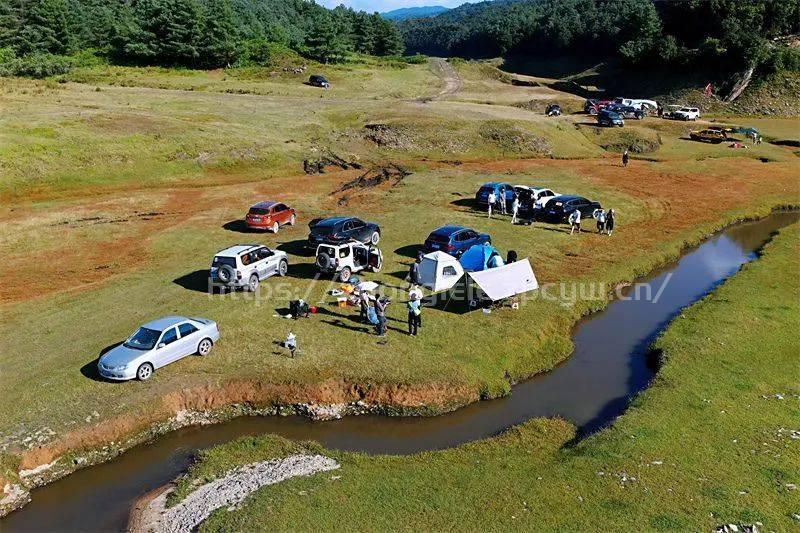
pixel 156 344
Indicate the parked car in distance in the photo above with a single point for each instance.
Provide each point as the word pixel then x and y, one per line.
pixel 337 230
pixel 319 81
pixel 592 106
pixel 501 190
pixel 553 110
pixel 610 118
pixel 561 207
pixel 637 103
pixel 454 240
pixel 157 344
pixel 347 259
pixel 532 199
pixel 710 135
pixel 245 265
pixel 270 216
pixel 686 113
pixel 627 111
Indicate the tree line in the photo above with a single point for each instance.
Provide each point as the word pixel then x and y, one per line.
pixel 725 33
pixel 192 33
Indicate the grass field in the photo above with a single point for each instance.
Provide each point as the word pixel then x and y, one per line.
pixel 709 443
pixel 115 198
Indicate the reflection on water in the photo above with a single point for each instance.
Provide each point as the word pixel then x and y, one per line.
pixel 609 366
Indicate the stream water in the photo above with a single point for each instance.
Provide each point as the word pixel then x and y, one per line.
pixel 610 364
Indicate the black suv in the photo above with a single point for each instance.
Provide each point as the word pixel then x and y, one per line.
pixel 559 209
pixel 337 230
pixel 318 81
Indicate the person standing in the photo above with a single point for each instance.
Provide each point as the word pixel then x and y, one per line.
pixel 502 200
pixel 363 302
pixel 413 274
pixel 575 221
pixel 380 311
pixel 291 343
pixel 610 222
pixel 600 216
pixel 415 293
pixel 491 200
pixel 625 158
pixel 414 312
pixel 514 209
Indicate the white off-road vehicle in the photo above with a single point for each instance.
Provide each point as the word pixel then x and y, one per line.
pixel 348 258
pixel 245 265
pixel 686 113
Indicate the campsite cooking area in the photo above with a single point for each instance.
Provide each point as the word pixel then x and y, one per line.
pixel 89 261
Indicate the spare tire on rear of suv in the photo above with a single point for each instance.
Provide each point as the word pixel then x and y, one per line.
pixel 226 274
pixel 324 261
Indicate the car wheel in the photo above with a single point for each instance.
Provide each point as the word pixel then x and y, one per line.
pixel 345 274
pixel 283 267
pixel 292 220
pixel 592 111
pixel 204 348
pixel 378 265
pixel 275 227
pixel 252 284
pixel 375 238
pixel 225 274
pixel 144 372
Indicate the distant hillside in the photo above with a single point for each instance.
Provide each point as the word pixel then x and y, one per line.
pixel 414 12
pixel 714 39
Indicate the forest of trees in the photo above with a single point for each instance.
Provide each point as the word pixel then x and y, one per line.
pixel 728 34
pixel 40 34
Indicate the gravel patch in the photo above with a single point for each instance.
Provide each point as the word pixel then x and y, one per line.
pixel 228 491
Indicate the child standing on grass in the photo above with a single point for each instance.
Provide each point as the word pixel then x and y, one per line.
pixel 491 200
pixel 291 343
pixel 575 221
pixel 610 222
pixel 625 158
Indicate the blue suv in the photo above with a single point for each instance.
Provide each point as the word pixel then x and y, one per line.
pixel 455 240
pixel 500 190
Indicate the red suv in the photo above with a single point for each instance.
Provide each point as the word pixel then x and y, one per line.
pixel 270 216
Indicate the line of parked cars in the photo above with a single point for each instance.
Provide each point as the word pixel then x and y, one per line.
pixel 536 203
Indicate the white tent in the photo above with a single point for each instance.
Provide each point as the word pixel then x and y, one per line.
pixel 506 281
pixel 439 271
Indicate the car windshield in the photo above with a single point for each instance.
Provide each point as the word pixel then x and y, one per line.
pixel 143 339
pixel 327 250
pixel 259 211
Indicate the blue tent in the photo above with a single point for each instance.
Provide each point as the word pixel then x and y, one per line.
pixel 476 258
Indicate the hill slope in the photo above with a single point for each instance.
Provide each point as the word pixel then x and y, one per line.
pixel 414 12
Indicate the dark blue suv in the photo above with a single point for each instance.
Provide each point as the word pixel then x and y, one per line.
pixel 455 240
pixel 500 190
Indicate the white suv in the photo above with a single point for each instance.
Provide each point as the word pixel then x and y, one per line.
pixel 348 258
pixel 245 265
pixel 687 113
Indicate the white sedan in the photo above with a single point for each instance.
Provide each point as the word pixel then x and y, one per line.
pixel 156 344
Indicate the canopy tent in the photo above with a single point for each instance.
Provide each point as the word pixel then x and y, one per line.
pixel 439 271
pixel 480 257
pixel 746 131
pixel 505 281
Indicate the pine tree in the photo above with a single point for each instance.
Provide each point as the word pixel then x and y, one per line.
pixel 165 31
pixel 10 22
pixel 44 28
pixel 218 44
pixel 389 40
pixel 324 42
pixel 364 38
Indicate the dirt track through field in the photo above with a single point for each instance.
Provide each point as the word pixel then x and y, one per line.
pixel 445 71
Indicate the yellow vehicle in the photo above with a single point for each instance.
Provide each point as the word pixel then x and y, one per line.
pixel 715 136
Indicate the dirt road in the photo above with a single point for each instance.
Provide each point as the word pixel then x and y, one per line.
pixel 452 81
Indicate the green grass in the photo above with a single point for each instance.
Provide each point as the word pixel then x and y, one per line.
pixel 707 444
pixel 70 152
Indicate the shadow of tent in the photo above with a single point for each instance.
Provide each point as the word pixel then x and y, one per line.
pixel 410 250
pixel 462 298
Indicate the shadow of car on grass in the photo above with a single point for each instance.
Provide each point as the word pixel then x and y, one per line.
pixel 89 370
